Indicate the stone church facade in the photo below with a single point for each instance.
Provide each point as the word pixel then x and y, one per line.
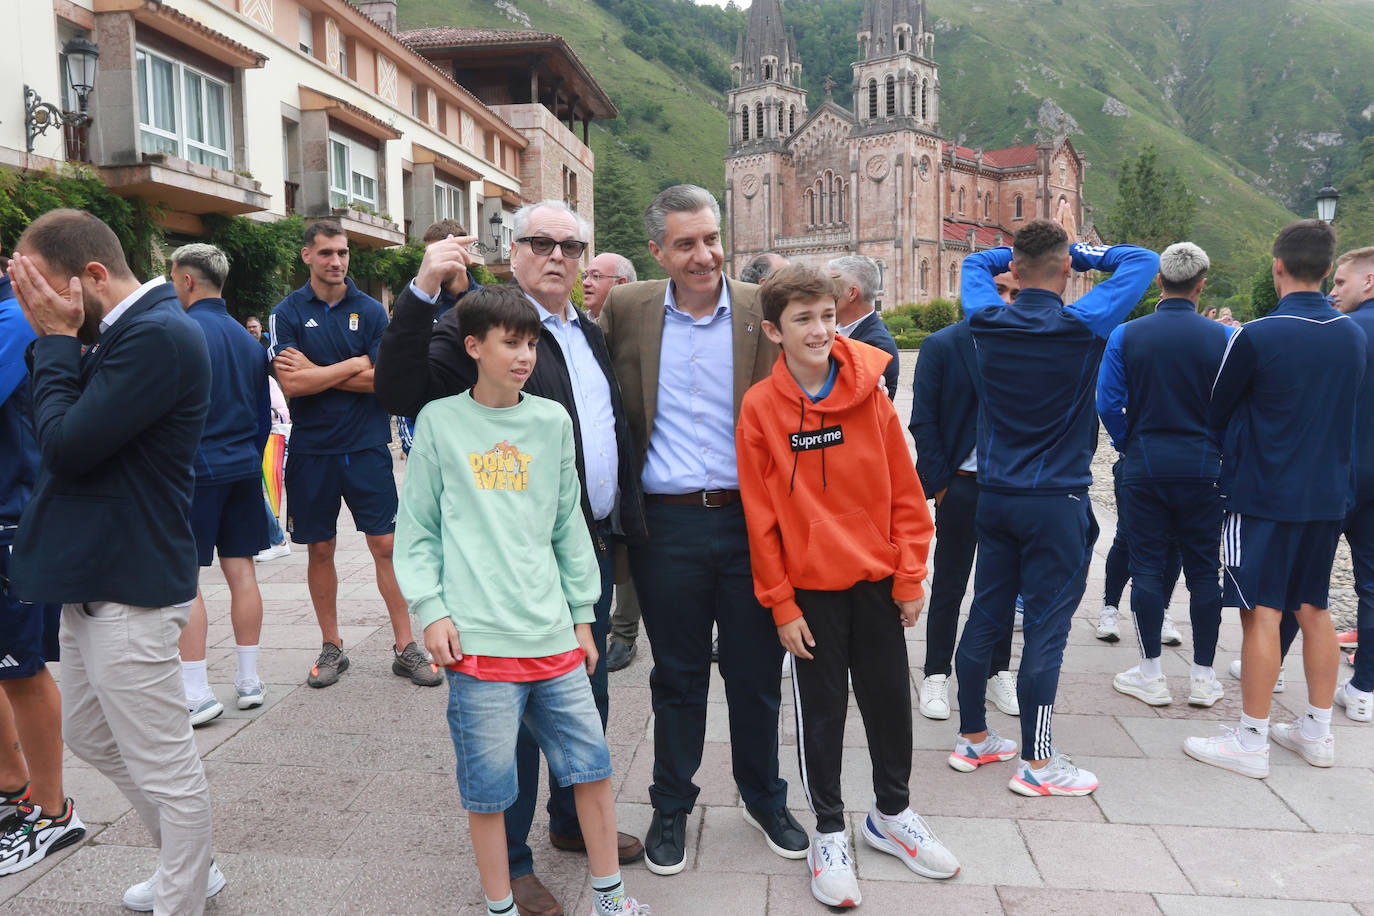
pixel 879 180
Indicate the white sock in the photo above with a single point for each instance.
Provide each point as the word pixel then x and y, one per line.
pixel 1253 734
pixel 1200 672
pixel 1150 667
pixel 1354 694
pixel 1316 723
pixel 196 681
pixel 248 666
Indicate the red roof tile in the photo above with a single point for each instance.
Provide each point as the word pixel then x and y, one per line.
pixel 984 236
pixel 449 36
pixel 999 158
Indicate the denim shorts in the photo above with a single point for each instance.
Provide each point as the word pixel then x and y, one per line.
pixel 484 718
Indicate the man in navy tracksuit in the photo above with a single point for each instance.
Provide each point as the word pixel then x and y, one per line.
pixel 1037 429
pixel 1352 290
pixel 226 510
pixel 1153 392
pixel 1284 394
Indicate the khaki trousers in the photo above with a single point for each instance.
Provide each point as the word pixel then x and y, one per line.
pixel 124 712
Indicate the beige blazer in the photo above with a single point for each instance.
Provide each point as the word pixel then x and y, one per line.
pixel 632 319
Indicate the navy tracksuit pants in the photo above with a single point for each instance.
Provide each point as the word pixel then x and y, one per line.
pixel 1118 570
pixel 1037 546
pixel 1157 515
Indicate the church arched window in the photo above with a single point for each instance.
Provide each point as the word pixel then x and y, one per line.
pixel 961 200
pixel 1018 206
pixel 987 206
pixel 767 71
pixel 953 288
pixel 744 122
pixel 791 118
pixel 925 100
pixel 839 193
pixel 925 274
pixel 811 206
pixel 901 41
pixel 872 98
pixel 779 120
pixel 828 190
pixel 891 96
pixel 863 49
pixel 758 119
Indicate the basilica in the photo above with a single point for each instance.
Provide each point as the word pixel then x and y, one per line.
pixel 814 184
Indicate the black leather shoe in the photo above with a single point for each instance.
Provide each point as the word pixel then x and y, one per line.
pixel 784 835
pixel 619 655
pixel 665 845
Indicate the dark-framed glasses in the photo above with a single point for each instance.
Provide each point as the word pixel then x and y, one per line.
pixel 542 245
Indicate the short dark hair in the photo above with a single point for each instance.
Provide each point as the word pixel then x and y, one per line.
pixel 442 229
pixel 329 228
pixel 757 270
pixel 1037 242
pixel 500 306
pixel 793 283
pixel 1306 249
pixel 68 240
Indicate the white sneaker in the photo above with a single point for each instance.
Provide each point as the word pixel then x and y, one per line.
pixel 1168 633
pixel 910 839
pixel 967 756
pixel 1204 691
pixel 1225 751
pixel 1002 692
pixel 832 871
pixel 1058 777
pixel 1320 752
pixel 1235 673
pixel 935 697
pixel 1108 628
pixel 140 897
pixel 1358 706
pixel 273 552
pixel 205 710
pixel 1153 691
pixel 249 695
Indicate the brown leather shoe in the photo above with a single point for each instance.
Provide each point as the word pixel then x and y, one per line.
pixel 532 898
pixel 628 847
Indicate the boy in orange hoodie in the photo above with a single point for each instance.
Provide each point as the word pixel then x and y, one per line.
pixel 838 536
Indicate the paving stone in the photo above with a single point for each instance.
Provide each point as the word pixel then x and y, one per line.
pixel 990 851
pixel 293 748
pixel 729 844
pixel 937 789
pixel 1163 738
pixel 714 777
pixel 1272 864
pixel 1188 793
pixel 1091 856
pixel 914 895
pixel 1338 800
pixel 1175 905
pixel 1028 901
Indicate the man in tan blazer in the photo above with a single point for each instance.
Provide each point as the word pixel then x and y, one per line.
pixel 684 351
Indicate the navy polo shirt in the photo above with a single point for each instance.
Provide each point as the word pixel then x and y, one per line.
pixel 239 419
pixel 334 421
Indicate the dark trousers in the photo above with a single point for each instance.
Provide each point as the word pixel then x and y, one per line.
pixel 1037 546
pixel 956 539
pixel 692 572
pixel 1359 534
pixel 562 809
pixel 1159 515
pixel 857 631
pixel 1118 570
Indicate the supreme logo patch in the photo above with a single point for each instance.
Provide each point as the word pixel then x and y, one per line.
pixel 809 439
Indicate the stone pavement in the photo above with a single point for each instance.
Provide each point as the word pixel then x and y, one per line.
pixel 343 800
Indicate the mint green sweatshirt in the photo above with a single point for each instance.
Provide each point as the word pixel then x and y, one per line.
pixel 490 530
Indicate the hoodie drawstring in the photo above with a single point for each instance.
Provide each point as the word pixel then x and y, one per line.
pixel 796 454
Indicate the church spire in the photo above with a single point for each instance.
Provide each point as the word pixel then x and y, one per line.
pixel 767 53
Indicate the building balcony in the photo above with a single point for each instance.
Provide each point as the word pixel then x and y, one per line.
pixel 367 229
pixel 186 187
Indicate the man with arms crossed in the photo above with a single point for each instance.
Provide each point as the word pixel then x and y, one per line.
pixel 325 337
pixel 108 531
pixel 1284 396
pixel 685 350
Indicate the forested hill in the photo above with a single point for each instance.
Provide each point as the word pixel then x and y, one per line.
pixel 1254 102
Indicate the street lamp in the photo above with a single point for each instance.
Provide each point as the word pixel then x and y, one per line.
pixel 496 226
pixel 1326 203
pixel 81 58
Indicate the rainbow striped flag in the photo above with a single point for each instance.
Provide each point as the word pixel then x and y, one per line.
pixel 273 464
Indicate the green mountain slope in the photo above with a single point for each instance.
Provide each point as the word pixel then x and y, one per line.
pixel 1251 100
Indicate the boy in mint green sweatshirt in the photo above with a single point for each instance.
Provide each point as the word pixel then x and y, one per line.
pixel 493 556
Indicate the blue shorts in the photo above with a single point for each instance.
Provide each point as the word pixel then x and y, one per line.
pixel 28 632
pixel 228 516
pixel 316 483
pixel 1282 565
pixel 484 718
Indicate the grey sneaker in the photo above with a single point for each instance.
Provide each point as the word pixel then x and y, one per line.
pixel 411 662
pixel 331 663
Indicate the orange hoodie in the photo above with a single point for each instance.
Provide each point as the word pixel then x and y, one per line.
pixel 830 493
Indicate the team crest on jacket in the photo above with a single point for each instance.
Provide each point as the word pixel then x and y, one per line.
pixel 501 467
pixel 353 321
pixel 810 439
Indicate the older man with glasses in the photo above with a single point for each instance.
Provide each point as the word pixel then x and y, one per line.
pixel 421 360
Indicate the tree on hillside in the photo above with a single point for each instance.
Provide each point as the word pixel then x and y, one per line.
pixel 620 204
pixel 1355 215
pixel 1154 208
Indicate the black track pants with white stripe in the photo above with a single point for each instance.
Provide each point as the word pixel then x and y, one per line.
pixel 857 631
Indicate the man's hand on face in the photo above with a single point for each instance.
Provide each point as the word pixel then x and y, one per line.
pixel 444 260
pixel 46 309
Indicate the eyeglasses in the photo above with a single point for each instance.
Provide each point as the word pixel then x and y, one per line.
pixel 542 245
pixel 597 276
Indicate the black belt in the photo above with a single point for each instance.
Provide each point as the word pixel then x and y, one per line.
pixel 962 473
pixel 710 499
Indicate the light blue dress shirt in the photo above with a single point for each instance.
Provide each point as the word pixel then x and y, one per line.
pixel 595 416
pixel 692 446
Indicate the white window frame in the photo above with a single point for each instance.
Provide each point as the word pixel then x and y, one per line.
pixel 183 143
pixel 450 202
pixel 305 24
pixel 356 160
